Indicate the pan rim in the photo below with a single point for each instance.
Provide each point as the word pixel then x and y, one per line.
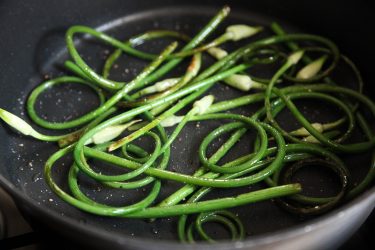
pixel 133 242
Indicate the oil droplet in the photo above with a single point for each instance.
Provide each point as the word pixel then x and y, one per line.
pixel 36 177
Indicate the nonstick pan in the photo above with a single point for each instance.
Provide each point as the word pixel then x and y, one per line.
pixel 32 49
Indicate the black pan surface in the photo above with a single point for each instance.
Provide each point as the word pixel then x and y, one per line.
pixel 35 50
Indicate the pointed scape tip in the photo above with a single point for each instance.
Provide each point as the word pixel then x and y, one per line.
pixel 240 31
pixel 238 81
pixel 226 9
pixel 295 56
pixel 312 69
pixel 16 122
pixel 204 103
pixel 217 52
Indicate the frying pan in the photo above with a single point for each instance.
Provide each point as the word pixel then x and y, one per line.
pixel 32 48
